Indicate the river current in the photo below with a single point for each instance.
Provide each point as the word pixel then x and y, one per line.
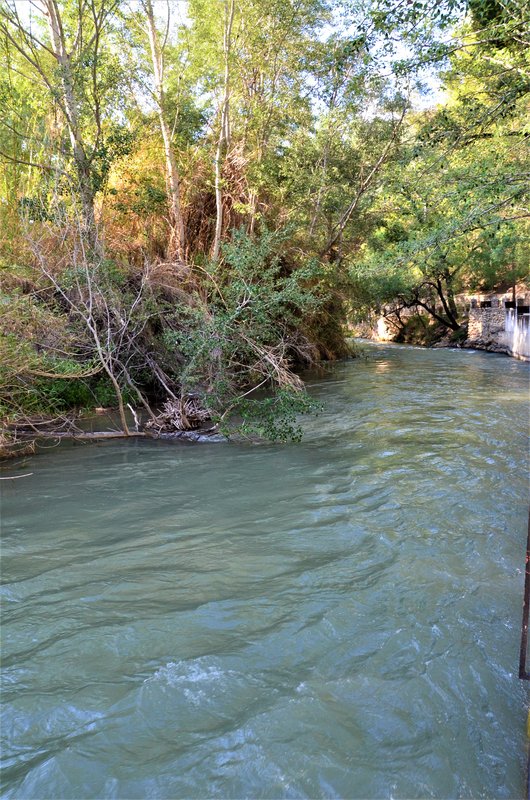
pixel 336 618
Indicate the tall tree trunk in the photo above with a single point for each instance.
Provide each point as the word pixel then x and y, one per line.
pixel 177 245
pixel 82 164
pixel 223 141
pixel 253 203
pixel 447 296
pixel 451 302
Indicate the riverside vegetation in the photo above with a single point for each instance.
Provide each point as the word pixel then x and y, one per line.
pixel 195 204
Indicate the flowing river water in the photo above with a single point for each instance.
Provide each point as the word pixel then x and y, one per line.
pixel 336 618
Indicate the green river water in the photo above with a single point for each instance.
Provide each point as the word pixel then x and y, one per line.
pixel 336 618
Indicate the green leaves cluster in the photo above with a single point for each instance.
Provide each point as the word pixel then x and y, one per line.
pixel 300 145
pixel 247 336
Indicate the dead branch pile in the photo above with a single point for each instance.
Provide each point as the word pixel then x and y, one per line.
pixel 200 210
pixel 36 424
pixel 19 438
pixel 174 280
pixel 236 192
pixel 302 349
pixel 273 364
pixel 182 414
pixel 200 201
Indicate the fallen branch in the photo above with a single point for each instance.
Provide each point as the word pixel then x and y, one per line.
pixel 83 435
pixel 63 376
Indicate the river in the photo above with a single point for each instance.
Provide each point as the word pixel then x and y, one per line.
pixel 336 618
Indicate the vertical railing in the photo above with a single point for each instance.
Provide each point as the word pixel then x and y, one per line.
pixel 523 653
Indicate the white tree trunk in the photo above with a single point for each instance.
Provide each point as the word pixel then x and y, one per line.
pixel 81 162
pixel 223 141
pixel 177 241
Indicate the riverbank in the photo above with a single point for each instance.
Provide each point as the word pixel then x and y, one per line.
pixel 496 322
pixel 481 344
pixel 419 332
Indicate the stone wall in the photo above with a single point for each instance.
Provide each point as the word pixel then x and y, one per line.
pixel 485 323
pixel 500 331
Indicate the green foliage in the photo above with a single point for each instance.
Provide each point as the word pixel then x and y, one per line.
pixel 58 396
pixel 260 298
pixel 116 145
pixel 275 418
pixel 149 199
pixel 264 289
pixel 420 329
pixel 452 216
pixel 242 338
pixel 330 205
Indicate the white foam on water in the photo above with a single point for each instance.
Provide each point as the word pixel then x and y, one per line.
pixel 177 672
pixel 197 680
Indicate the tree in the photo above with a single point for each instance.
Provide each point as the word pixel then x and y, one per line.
pixel 223 142
pixel 62 48
pixel 177 246
pixel 455 201
pixel 443 218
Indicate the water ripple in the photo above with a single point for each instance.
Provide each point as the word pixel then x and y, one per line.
pixel 332 619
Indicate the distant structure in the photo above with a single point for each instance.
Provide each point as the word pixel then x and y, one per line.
pixel 500 323
pixel 497 321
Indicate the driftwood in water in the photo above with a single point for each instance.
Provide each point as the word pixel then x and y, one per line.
pixel 83 435
pixel 180 418
pixel 181 414
pixel 190 435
